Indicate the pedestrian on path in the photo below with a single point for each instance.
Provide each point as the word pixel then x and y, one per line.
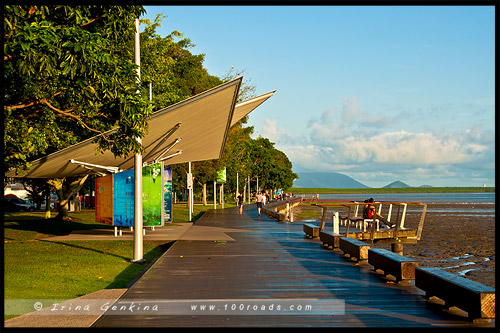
pixel 240 202
pixel 259 201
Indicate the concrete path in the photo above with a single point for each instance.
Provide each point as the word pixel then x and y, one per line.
pixel 169 233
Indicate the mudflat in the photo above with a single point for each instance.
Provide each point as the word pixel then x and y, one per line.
pixel 463 244
pixel 459 238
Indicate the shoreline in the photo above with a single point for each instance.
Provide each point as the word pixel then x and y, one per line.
pixel 299 191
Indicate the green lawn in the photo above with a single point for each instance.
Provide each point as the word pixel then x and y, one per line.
pixel 60 270
pixel 41 269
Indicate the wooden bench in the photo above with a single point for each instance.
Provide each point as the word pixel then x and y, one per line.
pixel 274 214
pixel 329 239
pixel 311 230
pixel 475 298
pixel 355 248
pixel 402 268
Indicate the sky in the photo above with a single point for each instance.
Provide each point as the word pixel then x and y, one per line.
pixel 378 93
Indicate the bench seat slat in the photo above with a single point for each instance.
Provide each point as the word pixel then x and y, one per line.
pixel 475 298
pixel 401 267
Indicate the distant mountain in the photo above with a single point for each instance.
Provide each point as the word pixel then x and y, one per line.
pixel 396 184
pixel 326 180
pixel 425 186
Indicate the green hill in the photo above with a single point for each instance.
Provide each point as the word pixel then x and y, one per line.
pixel 396 184
pixel 326 180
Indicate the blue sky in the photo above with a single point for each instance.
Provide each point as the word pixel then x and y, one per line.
pixel 378 93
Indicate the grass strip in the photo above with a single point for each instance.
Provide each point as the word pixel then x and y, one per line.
pixel 44 269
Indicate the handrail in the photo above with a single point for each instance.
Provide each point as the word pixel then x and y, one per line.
pixel 399 225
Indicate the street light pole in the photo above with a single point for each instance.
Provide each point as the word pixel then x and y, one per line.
pixel 138 246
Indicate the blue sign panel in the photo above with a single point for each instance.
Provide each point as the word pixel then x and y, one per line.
pixel 167 194
pixel 123 198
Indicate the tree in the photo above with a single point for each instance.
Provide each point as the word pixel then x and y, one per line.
pixel 175 73
pixel 69 74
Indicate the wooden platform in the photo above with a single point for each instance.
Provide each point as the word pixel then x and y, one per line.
pixel 271 261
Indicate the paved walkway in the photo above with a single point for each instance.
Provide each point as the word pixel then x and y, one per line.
pixel 266 264
pixel 246 267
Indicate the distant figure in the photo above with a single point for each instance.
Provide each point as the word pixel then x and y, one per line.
pixel 259 201
pixel 240 202
pixel 369 213
pixel 264 198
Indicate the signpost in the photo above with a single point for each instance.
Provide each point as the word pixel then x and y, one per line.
pixel 221 179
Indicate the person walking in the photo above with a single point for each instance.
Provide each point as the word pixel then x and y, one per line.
pixel 259 201
pixel 240 202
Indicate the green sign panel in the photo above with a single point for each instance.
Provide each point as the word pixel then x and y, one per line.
pixel 151 195
pixel 221 176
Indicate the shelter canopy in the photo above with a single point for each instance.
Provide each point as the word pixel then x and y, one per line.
pixel 192 130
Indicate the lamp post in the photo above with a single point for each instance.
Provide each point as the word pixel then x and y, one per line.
pixel 138 246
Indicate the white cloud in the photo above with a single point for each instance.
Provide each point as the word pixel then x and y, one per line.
pixel 271 131
pixel 341 142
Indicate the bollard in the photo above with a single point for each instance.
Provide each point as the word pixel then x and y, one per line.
pixel 397 248
pixel 336 223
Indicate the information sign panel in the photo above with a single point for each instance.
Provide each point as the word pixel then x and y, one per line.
pixel 104 199
pixel 167 194
pixel 221 176
pixel 123 198
pixel 151 195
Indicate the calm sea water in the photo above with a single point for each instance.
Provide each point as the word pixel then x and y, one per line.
pixel 463 203
pixel 429 198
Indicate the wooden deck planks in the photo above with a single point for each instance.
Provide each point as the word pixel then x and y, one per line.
pixel 272 260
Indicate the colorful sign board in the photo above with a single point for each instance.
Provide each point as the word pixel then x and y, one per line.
pixel 152 195
pixel 123 198
pixel 167 194
pixel 221 176
pixel 115 197
pixel 104 199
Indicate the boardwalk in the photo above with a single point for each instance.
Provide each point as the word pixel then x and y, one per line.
pixel 249 258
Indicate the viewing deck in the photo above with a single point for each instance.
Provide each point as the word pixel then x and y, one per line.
pixel 247 259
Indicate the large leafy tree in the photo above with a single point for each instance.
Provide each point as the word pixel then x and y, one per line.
pixel 69 74
pixel 176 74
pixel 166 62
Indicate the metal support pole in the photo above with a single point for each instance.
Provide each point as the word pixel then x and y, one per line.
pixel 190 191
pixel 249 189
pixel 138 246
pixel 215 195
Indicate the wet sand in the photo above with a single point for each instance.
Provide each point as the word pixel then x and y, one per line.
pixel 459 238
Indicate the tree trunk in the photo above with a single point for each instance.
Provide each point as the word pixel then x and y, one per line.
pixel 65 188
pixel 47 201
pixel 205 194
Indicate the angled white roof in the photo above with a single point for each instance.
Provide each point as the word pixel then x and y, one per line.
pixel 244 108
pixel 192 130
